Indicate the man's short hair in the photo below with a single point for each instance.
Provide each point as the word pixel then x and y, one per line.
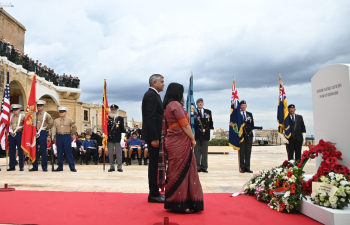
pixel 134 133
pixel 153 78
pixel 87 134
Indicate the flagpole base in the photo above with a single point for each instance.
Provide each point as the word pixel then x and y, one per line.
pixel 6 188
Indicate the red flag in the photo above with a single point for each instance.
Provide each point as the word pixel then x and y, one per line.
pixel 29 125
pixel 105 110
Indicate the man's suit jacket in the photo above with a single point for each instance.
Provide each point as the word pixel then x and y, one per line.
pixel 207 122
pixel 249 124
pixel 297 128
pixel 152 116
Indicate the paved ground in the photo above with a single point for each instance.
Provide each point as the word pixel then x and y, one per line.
pixel 223 174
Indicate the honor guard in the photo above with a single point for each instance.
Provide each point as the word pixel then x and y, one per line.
pixel 44 123
pixel 203 124
pixel 297 128
pixel 62 131
pixel 15 137
pixel 115 130
pixel 246 145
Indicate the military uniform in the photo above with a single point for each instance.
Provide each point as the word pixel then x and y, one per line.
pixel 202 137
pixel 115 130
pixel 44 123
pixel 15 137
pixel 62 131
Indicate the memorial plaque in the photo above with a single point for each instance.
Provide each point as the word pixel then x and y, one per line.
pixel 331 108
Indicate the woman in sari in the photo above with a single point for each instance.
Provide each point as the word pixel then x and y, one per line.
pixel 183 190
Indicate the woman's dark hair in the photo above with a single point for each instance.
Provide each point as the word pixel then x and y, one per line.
pixel 174 92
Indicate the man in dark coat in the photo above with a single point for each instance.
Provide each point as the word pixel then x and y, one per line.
pixel 115 129
pixel 246 145
pixel 203 124
pixel 297 128
pixel 152 119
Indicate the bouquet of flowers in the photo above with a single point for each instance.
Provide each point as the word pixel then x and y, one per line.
pixel 280 187
pixel 285 191
pixel 330 156
pixel 341 198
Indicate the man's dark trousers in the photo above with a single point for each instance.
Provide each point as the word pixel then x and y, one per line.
pixel 64 144
pixel 42 141
pixel 294 146
pixel 245 152
pixel 13 142
pixel 153 154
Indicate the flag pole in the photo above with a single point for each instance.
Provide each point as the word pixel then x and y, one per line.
pixel 239 151
pixel 7 158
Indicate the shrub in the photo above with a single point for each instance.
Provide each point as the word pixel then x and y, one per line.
pixel 219 142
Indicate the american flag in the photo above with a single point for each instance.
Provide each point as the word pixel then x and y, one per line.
pixel 5 116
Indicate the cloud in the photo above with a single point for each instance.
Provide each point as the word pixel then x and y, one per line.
pixel 127 41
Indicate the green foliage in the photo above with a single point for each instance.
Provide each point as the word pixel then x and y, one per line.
pixel 219 142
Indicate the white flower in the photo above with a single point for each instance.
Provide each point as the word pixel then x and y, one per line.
pixel 317 200
pixel 344 182
pixel 338 176
pixel 341 190
pixel 334 206
pixel 342 199
pixel 333 200
pixel 291 161
pixel 327 204
pixel 334 183
pixel 287 194
pixel 323 179
pixel 322 196
pixel 331 174
pixel 252 186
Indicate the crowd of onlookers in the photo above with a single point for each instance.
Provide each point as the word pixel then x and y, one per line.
pixel 16 56
pixel 87 147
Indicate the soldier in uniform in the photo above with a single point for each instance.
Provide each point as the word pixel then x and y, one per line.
pixel 44 123
pixel 15 137
pixel 115 130
pixel 62 131
pixel 297 128
pixel 246 145
pixel 203 125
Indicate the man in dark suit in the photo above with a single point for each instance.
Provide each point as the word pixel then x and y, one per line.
pixel 152 119
pixel 246 145
pixel 297 128
pixel 203 124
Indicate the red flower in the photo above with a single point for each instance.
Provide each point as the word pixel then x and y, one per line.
pixel 282 206
pixel 277 182
pixel 292 188
pixel 289 174
pixel 290 165
pixel 271 192
pixel 285 163
pixel 286 185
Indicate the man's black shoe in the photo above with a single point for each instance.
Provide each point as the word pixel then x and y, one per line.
pixel 120 170
pixel 145 162
pixel 95 162
pixel 129 161
pixel 199 171
pixel 57 170
pixel 111 170
pixel 11 169
pixel 21 169
pixel 248 171
pixel 159 199
pixel 204 171
pixel 242 171
pixel 45 170
pixel 74 170
pixel 87 163
pixel 32 169
pixel 140 162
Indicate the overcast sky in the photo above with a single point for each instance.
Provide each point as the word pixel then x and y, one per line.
pixel 127 41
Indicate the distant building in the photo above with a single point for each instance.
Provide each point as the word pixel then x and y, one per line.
pixel 220 133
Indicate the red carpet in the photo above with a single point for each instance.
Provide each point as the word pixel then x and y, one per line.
pixel 50 207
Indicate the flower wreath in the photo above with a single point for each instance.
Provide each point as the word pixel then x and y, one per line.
pixel 330 156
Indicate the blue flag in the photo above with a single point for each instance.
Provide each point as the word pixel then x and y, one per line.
pixel 190 105
pixel 236 120
pixel 282 112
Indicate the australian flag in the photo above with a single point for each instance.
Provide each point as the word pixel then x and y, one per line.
pixel 236 120
pixel 282 112
pixel 190 105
